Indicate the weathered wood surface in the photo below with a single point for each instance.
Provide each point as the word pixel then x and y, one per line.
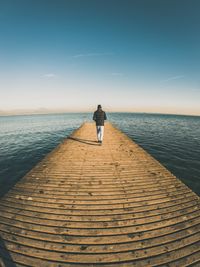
pixel 92 205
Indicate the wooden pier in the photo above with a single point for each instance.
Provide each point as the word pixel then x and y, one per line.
pixel 87 204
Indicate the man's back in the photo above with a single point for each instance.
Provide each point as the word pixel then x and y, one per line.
pixel 99 116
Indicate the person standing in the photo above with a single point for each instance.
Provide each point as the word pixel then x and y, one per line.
pixel 99 117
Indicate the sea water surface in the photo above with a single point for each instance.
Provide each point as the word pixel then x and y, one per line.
pixel 173 140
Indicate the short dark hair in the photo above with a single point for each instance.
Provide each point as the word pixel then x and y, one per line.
pixel 99 106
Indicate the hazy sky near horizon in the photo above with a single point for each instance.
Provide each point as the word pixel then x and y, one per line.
pixel 128 55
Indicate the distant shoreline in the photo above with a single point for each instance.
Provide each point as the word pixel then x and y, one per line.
pixel 86 112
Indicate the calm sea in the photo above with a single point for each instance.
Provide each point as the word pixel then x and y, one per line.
pixel 171 139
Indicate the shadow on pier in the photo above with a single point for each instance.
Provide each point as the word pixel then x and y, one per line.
pixel 85 141
pixel 5 257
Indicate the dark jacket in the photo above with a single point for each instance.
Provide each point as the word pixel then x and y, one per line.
pixel 99 117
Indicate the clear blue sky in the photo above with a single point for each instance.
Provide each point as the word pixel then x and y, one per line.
pixel 71 55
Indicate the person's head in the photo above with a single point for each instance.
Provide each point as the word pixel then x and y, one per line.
pixel 99 107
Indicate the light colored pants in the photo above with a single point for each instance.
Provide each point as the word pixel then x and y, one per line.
pixel 100 131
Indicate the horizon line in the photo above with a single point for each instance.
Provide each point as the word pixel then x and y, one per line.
pixel 30 113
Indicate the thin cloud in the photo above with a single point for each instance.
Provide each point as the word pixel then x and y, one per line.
pixel 117 74
pixel 92 55
pixel 173 78
pixel 49 75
